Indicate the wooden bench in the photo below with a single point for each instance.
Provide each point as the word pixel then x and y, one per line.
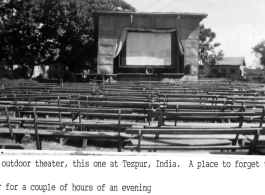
pixel 117 125
pixel 229 131
pixel 240 116
pixel 11 146
pixel 96 75
pixel 116 103
pixel 201 141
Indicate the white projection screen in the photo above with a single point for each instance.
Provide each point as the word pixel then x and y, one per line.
pixel 152 49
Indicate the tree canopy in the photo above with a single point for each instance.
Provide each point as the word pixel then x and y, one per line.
pixel 259 51
pixel 40 32
pixel 207 49
pixel 19 32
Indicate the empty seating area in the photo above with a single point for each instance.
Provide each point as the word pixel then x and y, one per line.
pixel 212 117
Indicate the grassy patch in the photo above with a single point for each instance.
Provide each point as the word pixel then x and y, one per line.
pixel 14 83
pixel 52 145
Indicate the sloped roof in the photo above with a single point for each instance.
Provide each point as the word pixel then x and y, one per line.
pixel 234 61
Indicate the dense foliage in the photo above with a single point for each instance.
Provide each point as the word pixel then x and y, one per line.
pixel 39 32
pixel 207 53
pixel 259 51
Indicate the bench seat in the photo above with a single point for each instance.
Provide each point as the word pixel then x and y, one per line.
pixel 191 147
pixel 181 142
pixel 174 145
pixel 68 134
pixel 11 146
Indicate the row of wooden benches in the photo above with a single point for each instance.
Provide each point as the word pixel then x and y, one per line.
pixel 101 125
pixel 167 108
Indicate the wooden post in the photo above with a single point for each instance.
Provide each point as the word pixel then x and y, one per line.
pixel 84 144
pixel 61 81
pixel 254 142
pixel 160 119
pixel 176 118
pixel 60 115
pixel 233 102
pixel 119 132
pixel 149 118
pixel 234 142
pixel 139 140
pixel 60 118
pixel 8 122
pixel 262 116
pixel 216 98
pixel 38 145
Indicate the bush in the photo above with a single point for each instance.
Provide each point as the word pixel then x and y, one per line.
pixel 20 72
pixel 7 75
pixel 68 76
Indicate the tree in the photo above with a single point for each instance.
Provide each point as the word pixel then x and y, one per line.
pixel 21 41
pixel 78 42
pixel 38 32
pixel 259 51
pixel 13 30
pixel 207 54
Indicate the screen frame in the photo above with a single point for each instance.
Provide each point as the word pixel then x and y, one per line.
pixel 174 54
pixel 177 64
pixel 156 44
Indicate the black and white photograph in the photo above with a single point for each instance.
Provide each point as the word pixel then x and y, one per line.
pixel 132 96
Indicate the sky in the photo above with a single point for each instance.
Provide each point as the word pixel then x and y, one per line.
pixel 238 24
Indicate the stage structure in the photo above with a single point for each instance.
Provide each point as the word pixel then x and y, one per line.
pixel 148 46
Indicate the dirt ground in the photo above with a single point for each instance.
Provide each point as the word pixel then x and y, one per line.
pixel 54 145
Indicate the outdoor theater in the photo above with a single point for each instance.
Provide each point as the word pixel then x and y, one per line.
pixel 157 104
pixel 148 46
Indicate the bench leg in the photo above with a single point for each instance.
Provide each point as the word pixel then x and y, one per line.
pixel 63 140
pixel 40 143
pixel 84 141
pixel 253 143
pixel 235 141
pixel 140 136
pixel 14 138
pixel 119 144
pixel 84 145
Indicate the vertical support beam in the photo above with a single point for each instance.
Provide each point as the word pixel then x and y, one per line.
pixel 60 118
pixel 119 132
pixel 176 118
pixel 241 121
pixel 149 118
pixel 262 116
pixel 60 115
pixel 243 109
pixel 254 143
pixel 9 123
pixel 233 102
pixel 160 119
pixel 61 81
pixel 216 98
pixel 84 144
pixel 139 140
pixel 163 110
pixel 38 145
